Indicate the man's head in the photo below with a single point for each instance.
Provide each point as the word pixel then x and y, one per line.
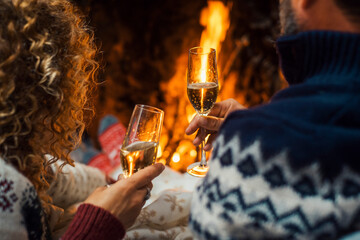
pixel 304 15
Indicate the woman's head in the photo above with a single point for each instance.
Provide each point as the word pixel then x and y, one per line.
pixel 46 68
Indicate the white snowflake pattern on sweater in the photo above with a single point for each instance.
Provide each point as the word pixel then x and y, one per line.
pixel 245 196
pixel 21 213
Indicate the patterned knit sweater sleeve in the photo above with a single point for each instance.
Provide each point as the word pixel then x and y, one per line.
pixel 249 195
pixel 74 184
pixel 21 214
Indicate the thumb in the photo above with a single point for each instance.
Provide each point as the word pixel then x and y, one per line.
pixel 145 176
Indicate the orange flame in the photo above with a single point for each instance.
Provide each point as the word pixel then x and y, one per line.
pixel 215 19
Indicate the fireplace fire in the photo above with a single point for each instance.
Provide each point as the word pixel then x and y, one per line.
pixel 179 152
pixel 145 51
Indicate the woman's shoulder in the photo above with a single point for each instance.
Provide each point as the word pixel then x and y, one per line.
pixel 9 173
pixel 14 187
pixel 21 213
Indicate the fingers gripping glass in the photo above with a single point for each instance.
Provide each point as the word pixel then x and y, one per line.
pixel 140 145
pixel 202 91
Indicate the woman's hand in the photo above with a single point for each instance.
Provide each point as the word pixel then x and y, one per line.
pixel 212 122
pixel 125 198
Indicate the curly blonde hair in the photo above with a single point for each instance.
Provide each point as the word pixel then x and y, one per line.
pixel 47 67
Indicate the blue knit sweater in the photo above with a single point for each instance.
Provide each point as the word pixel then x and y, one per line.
pixel 290 169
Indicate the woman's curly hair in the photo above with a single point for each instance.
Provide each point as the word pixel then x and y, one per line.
pixel 47 67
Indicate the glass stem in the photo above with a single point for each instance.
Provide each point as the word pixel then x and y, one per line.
pixel 203 162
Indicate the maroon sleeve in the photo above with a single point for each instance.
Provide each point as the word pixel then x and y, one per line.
pixel 94 223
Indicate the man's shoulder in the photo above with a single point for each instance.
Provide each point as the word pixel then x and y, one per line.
pixel 263 124
pixel 298 105
pixel 300 115
pixel 326 132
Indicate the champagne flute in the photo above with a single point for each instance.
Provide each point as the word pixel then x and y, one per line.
pixel 141 141
pixel 202 90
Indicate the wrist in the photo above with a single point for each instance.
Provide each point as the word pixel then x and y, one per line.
pixel 92 222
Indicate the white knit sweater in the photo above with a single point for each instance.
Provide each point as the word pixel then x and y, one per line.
pixel 21 214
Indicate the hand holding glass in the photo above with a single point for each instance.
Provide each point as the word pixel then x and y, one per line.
pixel 202 90
pixel 141 142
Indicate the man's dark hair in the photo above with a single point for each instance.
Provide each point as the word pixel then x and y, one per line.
pixel 351 8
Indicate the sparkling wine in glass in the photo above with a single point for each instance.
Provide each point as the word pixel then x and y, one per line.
pixel 141 141
pixel 202 90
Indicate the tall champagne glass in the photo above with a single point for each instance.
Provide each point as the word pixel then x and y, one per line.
pixel 202 90
pixel 141 141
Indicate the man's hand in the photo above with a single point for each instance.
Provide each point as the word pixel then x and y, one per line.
pixel 125 198
pixel 212 122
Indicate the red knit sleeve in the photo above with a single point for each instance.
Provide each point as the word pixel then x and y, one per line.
pixel 94 223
